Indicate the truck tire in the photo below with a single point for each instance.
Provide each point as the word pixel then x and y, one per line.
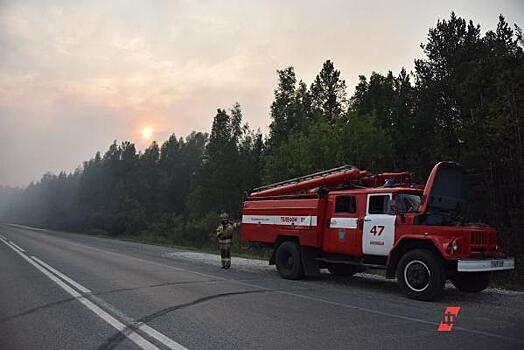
pixel 342 270
pixel 471 282
pixel 421 274
pixel 289 261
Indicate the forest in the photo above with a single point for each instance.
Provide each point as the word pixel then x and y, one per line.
pixel 464 101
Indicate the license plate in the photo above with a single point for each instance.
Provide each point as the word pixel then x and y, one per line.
pixel 497 263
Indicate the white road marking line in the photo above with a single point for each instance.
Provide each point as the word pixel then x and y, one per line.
pixel 11 246
pixel 142 326
pixel 170 343
pixel 133 336
pixel 1 236
pixel 75 284
pixel 17 247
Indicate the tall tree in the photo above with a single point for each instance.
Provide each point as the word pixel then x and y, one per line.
pixel 291 108
pixel 218 185
pixel 328 92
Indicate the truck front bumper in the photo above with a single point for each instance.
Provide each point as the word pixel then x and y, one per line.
pixel 479 265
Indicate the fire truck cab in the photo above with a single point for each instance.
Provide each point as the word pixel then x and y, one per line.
pixel 347 220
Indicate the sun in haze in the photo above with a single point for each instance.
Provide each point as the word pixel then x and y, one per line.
pixel 147 132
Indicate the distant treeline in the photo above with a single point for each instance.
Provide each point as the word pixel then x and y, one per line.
pixel 464 102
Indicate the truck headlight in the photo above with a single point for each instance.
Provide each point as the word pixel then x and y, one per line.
pixel 454 246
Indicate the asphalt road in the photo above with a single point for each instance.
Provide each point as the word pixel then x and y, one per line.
pixel 70 291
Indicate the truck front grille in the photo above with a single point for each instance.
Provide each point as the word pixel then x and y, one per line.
pixel 481 240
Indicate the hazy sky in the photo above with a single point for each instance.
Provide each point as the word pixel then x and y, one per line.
pixel 75 75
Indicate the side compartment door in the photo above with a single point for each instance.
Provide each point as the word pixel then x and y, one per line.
pixel 378 233
pixel 342 235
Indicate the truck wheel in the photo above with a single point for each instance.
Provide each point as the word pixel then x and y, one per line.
pixel 288 261
pixel 342 270
pixel 421 274
pixel 472 282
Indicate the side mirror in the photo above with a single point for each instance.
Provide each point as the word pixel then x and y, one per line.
pixel 391 207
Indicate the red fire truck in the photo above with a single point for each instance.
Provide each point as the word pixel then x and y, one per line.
pixel 347 220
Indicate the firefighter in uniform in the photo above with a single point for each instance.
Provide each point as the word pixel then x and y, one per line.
pixel 224 233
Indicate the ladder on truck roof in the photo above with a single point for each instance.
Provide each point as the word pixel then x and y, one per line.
pixel 304 178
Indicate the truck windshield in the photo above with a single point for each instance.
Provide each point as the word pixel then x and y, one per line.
pixel 407 202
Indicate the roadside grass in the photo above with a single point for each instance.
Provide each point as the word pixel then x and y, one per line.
pixel 237 249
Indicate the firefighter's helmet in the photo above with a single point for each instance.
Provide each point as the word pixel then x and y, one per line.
pixel 224 216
